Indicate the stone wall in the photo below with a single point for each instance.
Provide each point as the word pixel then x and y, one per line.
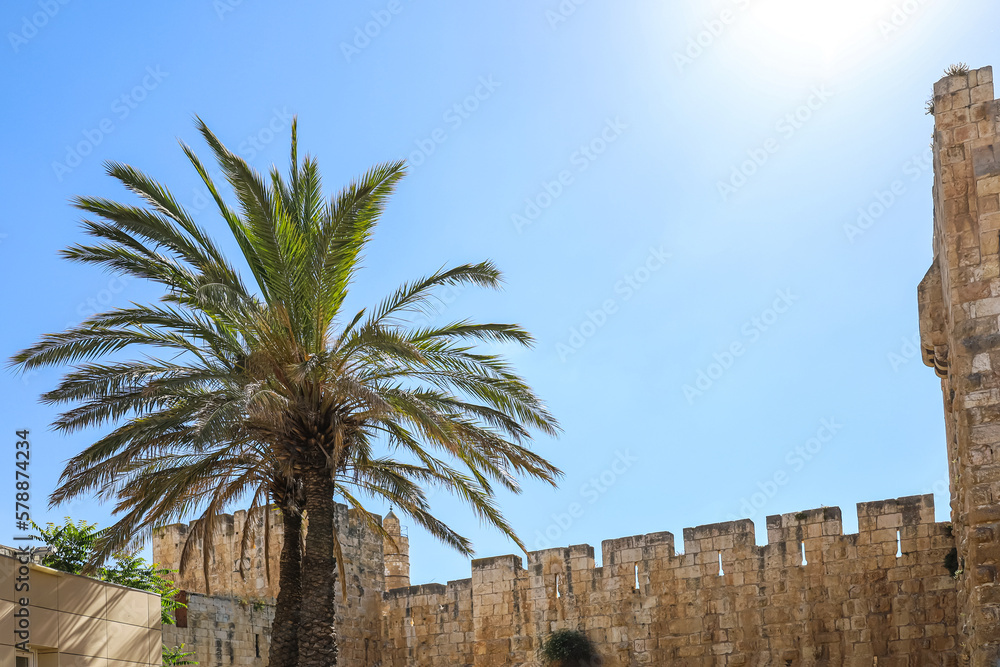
pixel 885 593
pixel 432 625
pixel 359 616
pixel 223 630
pixel 724 601
pixel 959 307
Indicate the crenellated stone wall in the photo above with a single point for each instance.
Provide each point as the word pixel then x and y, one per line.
pixel 885 592
pixel 724 601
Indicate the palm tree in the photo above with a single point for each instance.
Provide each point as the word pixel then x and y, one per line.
pixel 279 373
pixel 159 490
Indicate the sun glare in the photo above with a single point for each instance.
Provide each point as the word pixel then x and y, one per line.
pixel 823 29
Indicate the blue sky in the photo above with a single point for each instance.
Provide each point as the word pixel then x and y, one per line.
pixel 673 189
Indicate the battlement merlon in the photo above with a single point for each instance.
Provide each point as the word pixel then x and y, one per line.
pixel 884 521
pixel 229 524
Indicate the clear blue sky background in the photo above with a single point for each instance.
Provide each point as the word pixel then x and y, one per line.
pixel 679 128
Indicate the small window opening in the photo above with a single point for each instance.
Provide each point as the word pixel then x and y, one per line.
pixel 721 571
pixel 899 544
pixel 804 561
pixel 256 644
pixel 637 576
pixel 558 592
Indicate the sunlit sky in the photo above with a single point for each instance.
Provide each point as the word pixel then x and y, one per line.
pixel 712 215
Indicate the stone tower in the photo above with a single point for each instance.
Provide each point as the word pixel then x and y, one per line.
pixel 397 554
pixel 960 335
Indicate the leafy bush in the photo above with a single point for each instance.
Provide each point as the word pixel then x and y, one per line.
pixel 70 545
pixel 568 648
pixel 957 70
pixel 177 656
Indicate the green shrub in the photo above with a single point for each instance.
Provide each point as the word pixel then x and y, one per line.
pixel 568 648
pixel 70 545
pixel 177 656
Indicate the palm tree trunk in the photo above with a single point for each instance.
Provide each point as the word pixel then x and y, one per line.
pixel 317 633
pixel 284 650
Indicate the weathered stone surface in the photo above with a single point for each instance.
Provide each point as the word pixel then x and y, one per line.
pixel 884 592
pixel 959 312
pixel 221 621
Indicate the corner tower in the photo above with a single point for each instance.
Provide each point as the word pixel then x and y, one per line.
pixel 960 338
